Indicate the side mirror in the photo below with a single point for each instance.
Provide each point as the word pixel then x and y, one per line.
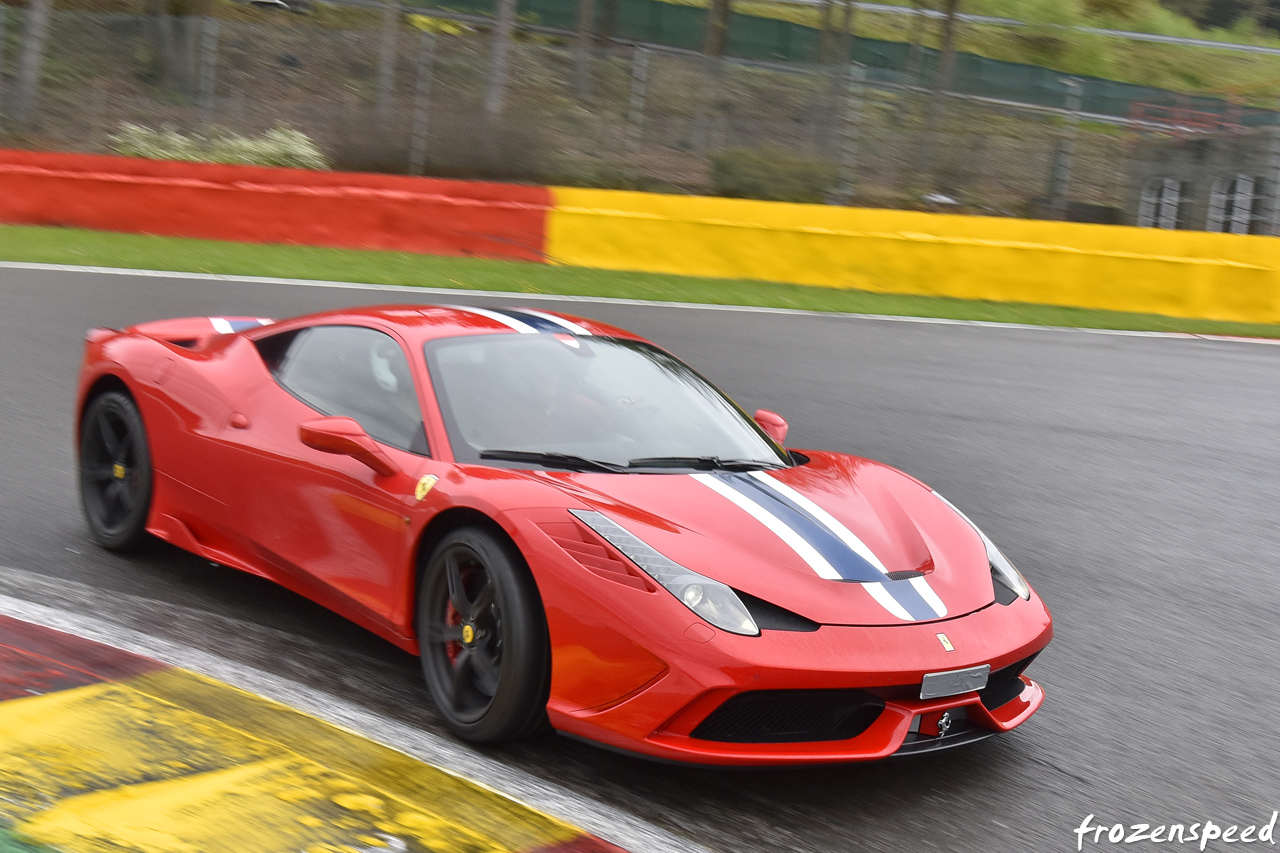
pixel 773 424
pixel 346 437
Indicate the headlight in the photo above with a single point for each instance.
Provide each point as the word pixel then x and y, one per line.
pixel 1001 569
pixel 710 599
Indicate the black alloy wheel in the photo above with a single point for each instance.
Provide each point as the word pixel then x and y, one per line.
pixel 115 471
pixel 483 638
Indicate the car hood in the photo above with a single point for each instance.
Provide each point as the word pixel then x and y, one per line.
pixel 826 539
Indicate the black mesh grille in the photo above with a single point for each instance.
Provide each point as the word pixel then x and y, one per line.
pixel 1003 686
pixel 791 716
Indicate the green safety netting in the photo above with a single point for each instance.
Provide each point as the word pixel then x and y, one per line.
pixel 768 39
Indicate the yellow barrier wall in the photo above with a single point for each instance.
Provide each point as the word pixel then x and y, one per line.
pixel 1146 270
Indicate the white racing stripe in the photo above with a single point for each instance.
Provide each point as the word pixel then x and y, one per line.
pixel 930 597
pixel 887 601
pixel 798 544
pixel 828 521
pixel 567 325
pixel 847 536
pixel 509 322
pixel 794 540
pixel 221 325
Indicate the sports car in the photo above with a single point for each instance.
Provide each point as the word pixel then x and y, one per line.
pixel 571 528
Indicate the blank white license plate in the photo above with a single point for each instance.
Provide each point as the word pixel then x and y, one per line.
pixel 955 682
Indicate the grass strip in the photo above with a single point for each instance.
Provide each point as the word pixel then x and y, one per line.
pixel 9 843
pixel 98 248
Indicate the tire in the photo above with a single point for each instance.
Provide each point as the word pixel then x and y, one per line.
pixel 115 471
pixel 490 685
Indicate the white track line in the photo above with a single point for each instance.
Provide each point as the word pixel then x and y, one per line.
pixel 611 824
pixel 610 300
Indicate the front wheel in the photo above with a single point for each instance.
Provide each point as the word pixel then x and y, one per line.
pixel 115 471
pixel 483 638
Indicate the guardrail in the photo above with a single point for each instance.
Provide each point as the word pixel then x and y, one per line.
pixel 1143 270
pixel 1116 268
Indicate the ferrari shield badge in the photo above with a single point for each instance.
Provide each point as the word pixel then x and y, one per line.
pixel 946 642
pixel 424 486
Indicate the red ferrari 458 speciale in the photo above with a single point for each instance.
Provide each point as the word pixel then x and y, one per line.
pixel 569 526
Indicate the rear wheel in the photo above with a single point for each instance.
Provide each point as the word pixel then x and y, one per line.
pixel 483 638
pixel 115 471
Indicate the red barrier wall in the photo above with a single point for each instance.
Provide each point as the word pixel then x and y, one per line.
pixel 259 205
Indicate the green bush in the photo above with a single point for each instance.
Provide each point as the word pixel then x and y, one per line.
pixel 280 146
pixel 770 174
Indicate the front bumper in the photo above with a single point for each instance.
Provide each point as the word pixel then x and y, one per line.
pixel 662 719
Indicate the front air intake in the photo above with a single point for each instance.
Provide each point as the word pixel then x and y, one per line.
pixel 1004 685
pixel 791 716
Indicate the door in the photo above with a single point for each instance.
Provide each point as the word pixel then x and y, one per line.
pixel 340 531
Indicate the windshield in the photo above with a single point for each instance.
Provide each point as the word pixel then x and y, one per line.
pixel 588 403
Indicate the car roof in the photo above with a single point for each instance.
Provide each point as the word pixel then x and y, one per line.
pixel 421 323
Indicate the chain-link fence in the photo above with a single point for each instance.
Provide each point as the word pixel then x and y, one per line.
pixel 402 100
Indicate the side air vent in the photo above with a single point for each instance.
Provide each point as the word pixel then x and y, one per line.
pixel 904 575
pixel 594 555
pixel 791 716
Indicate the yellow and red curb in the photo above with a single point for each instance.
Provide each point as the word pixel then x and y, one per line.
pixel 102 750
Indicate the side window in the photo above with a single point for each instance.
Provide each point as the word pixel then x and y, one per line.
pixel 359 373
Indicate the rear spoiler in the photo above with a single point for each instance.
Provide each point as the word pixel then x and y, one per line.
pixel 195 331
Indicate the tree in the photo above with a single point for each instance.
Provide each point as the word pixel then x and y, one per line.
pixel 504 29
pixel 387 59
pixel 175 31
pixel 836 38
pixel 582 59
pixel 941 84
pixel 717 32
pixel 916 36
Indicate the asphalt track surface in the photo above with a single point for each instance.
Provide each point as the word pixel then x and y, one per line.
pixel 1135 480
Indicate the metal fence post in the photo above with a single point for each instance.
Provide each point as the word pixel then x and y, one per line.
pixel 850 134
pixel 208 70
pixel 35 35
pixel 1273 178
pixel 422 104
pixel 503 34
pixel 387 60
pixel 639 91
pixel 1064 150
pixel 583 50
pixel 4 21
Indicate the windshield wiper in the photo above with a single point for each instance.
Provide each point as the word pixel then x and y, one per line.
pixel 703 463
pixel 553 460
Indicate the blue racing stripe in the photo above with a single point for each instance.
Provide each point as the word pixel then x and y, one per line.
pixel 241 325
pixel 542 324
pixel 848 563
pixel 910 599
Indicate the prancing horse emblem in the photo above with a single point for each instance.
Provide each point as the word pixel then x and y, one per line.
pixel 424 486
pixel 944 723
